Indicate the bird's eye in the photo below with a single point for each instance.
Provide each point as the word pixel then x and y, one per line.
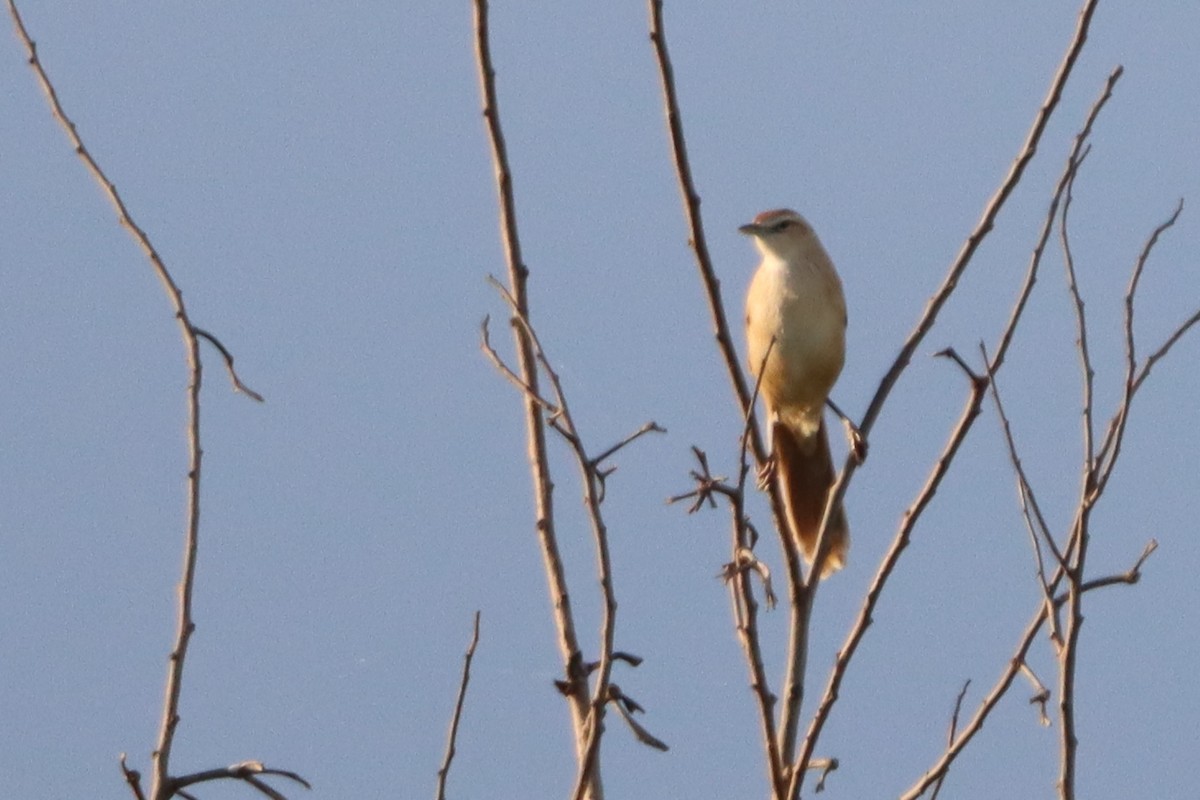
pixel 783 225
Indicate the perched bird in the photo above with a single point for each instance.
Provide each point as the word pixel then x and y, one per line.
pixel 795 300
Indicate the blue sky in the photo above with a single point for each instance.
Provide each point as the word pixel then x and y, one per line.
pixel 320 185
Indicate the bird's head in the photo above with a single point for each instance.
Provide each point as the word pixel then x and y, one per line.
pixel 781 233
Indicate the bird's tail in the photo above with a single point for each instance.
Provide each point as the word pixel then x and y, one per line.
pixel 805 470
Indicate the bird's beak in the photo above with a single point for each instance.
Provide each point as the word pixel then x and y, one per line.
pixel 750 229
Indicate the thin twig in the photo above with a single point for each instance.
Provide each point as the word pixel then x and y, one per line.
pixel 826 766
pixel 602 474
pixel 1163 349
pixel 649 427
pixel 444 772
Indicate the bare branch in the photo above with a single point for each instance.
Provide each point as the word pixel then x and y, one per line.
pixel 589 727
pixel 1097 470
pixel 1079 152
pixel 444 772
pixel 264 788
pixel 742 592
pixel 800 606
pixel 958 267
pixel 712 287
pixel 958 701
pixel 1163 349
pixel 707 485
pixel 543 486
pixel 160 773
pixel 952 354
pixel 734 573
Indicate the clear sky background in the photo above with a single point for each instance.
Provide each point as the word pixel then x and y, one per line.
pixel 319 182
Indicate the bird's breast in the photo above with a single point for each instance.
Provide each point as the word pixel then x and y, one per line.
pixel 801 308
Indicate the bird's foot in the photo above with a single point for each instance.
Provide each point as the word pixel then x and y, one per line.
pixel 858 442
pixel 767 473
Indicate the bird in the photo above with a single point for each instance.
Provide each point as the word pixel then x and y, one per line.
pixel 796 342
